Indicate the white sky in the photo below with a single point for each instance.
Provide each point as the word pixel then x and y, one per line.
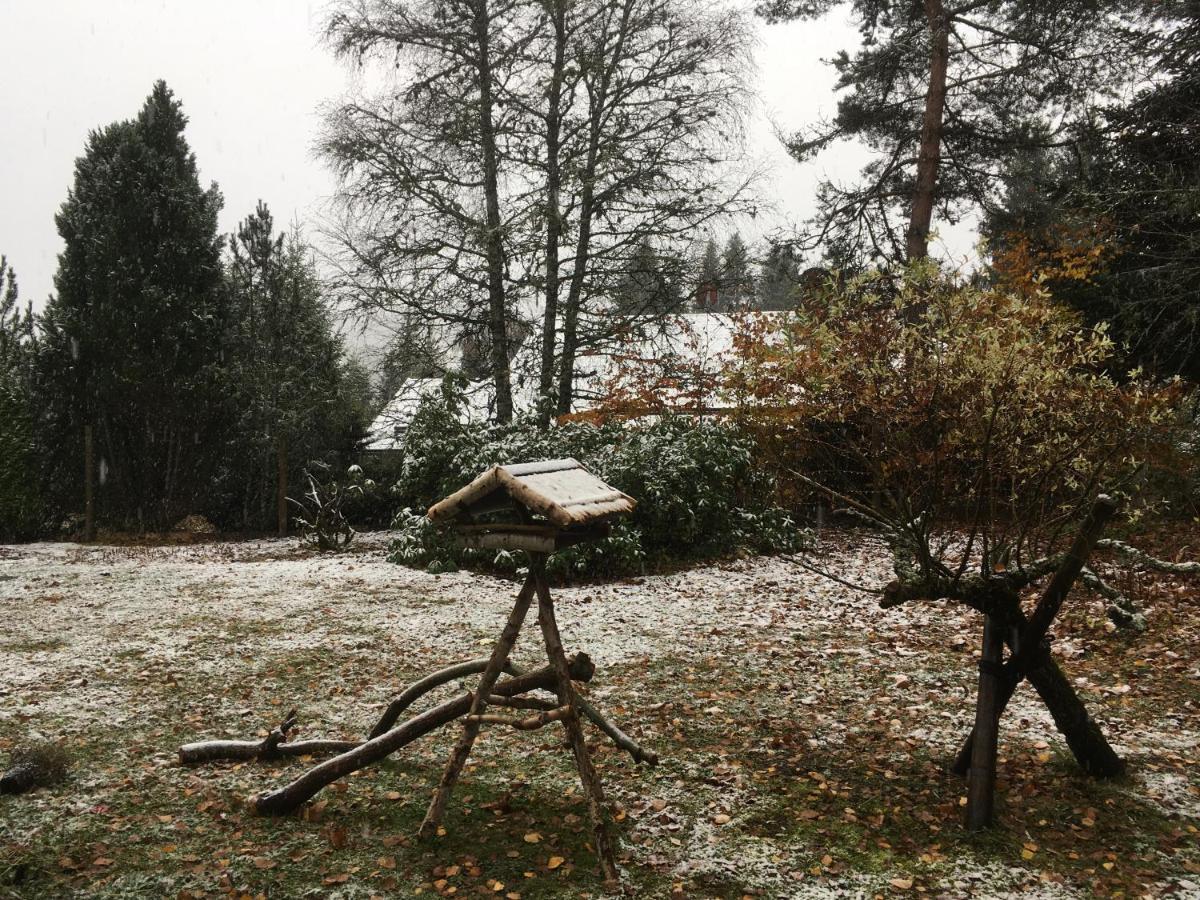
pixel 252 76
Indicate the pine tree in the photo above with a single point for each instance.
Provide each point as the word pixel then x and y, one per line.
pixel 286 369
pixel 737 279
pixel 133 333
pixel 1130 187
pixel 21 501
pixel 945 94
pixel 779 278
pixel 649 286
pixel 708 291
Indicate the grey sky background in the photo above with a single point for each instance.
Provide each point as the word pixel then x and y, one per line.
pixel 252 76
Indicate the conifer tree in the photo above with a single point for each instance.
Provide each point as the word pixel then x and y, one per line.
pixel 945 92
pixel 285 368
pixel 133 332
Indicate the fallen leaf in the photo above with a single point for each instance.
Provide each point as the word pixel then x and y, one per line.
pixel 555 862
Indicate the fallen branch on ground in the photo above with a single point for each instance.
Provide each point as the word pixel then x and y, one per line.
pixel 289 797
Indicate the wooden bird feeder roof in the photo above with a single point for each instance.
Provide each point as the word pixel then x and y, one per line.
pixel 561 491
pixel 542 507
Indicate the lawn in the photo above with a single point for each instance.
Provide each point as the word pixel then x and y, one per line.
pixel 803 734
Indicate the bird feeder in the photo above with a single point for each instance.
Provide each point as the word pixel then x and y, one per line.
pixel 539 508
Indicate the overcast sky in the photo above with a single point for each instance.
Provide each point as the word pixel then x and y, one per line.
pixel 252 76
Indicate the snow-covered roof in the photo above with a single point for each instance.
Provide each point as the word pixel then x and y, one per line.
pixel 699 339
pixel 388 429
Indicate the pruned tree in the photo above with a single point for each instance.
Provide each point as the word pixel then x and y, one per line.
pixel 973 429
pixel 945 92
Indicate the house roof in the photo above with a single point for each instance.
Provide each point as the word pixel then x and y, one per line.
pixel 387 431
pixel 698 339
pixel 561 490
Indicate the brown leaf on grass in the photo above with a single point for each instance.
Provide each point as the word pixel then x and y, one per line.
pixel 555 862
pixel 262 862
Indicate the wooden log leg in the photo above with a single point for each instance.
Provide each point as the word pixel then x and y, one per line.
pixel 496 664
pixel 982 787
pixel 583 760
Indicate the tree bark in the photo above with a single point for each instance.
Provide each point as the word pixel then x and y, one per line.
pixel 597 111
pixel 1064 578
pixel 981 792
pixel 1031 655
pixel 89 484
pixel 419 689
pixel 281 483
pixel 494 239
pixel 557 9
pixel 930 150
pixel 1087 742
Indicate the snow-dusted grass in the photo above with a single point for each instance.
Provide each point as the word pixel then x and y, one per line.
pixel 803 733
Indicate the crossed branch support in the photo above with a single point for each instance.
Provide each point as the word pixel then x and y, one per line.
pixel 1005 623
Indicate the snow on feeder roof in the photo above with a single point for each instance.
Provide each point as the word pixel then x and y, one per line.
pixel 561 491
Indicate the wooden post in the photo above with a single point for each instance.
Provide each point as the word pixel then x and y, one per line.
pixel 566 697
pixel 281 483
pixel 981 788
pixel 1060 585
pixel 89 485
pixel 499 659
